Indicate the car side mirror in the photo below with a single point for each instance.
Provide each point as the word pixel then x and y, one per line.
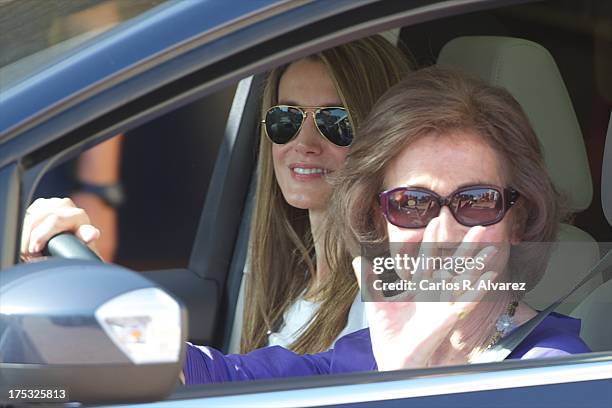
pixel 89 332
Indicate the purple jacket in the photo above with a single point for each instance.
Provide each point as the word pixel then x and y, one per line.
pixel 556 335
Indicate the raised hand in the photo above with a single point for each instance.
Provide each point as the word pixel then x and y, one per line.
pixel 407 329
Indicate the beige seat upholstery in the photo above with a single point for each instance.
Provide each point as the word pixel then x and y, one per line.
pixel 606 175
pixel 596 310
pixel 596 314
pixel 530 73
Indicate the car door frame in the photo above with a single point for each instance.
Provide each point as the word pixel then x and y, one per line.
pixel 560 382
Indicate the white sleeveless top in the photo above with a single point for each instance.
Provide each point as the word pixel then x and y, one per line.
pixel 299 314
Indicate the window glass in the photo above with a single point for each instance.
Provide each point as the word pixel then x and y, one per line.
pixel 164 168
pixel 35 32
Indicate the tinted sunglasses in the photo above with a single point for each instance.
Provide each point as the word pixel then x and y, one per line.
pixel 410 207
pixel 283 122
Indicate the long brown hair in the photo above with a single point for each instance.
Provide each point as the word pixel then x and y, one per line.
pixel 439 101
pixel 281 244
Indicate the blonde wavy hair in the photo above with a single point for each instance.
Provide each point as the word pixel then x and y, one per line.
pixel 282 256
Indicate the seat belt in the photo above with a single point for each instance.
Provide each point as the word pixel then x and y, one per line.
pixel 502 349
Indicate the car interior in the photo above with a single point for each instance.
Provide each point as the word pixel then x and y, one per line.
pixel 506 47
pixel 594 309
pixel 530 73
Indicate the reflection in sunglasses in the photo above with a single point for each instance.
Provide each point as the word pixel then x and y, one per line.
pixel 332 123
pixel 409 207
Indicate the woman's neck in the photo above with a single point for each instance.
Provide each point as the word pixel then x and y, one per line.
pixel 321 268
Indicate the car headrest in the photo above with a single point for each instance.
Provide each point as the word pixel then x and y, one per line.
pixel 529 72
pixel 606 175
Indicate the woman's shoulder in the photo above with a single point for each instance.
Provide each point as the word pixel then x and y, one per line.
pixel 298 317
pixel 295 321
pixel 556 335
pixel 353 353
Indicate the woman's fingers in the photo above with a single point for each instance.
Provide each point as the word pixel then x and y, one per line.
pixel 426 251
pixel 476 295
pixel 36 213
pixel 88 233
pixel 404 248
pixel 46 218
pixel 486 257
pixel 468 300
pixel 61 220
pixel 470 242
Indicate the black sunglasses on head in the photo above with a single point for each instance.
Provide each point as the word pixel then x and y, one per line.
pixel 413 207
pixel 283 122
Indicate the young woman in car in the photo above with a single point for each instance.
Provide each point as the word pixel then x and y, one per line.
pixel 310 110
pixel 293 299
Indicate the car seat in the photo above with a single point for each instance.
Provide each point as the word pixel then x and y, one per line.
pixel 529 72
pixel 595 310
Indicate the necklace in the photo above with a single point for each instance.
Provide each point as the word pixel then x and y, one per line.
pixel 504 325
